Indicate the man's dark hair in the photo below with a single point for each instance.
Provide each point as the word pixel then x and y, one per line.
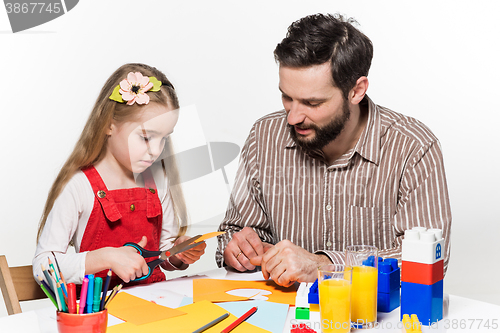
pixel 321 38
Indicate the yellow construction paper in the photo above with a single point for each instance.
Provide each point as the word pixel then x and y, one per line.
pixel 215 290
pixel 209 235
pixel 197 315
pixel 138 311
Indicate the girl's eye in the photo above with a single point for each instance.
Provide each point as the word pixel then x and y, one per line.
pixel 146 138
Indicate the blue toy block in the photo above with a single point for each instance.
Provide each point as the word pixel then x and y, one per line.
pixel 388 297
pixel 386 302
pixel 389 277
pixel 426 301
pixel 313 296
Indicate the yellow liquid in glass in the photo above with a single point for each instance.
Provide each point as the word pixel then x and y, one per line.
pixel 334 305
pixel 364 294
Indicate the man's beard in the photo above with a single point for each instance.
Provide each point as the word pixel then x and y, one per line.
pixel 323 135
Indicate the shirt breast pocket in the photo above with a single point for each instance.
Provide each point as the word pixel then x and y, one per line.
pixel 368 226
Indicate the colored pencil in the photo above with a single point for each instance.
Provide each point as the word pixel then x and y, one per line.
pixel 61 296
pixel 47 276
pixel 47 292
pixel 58 299
pixel 239 320
pixel 45 284
pixel 55 281
pixel 105 290
pixel 113 294
pixel 63 285
pixel 212 323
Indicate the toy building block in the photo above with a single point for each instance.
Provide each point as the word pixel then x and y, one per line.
pixel 302 328
pixel 302 313
pixel 313 296
pixel 426 301
pixel 421 273
pixel 388 275
pixel 301 303
pixel 301 300
pixel 425 247
pixel 388 296
pixel 411 325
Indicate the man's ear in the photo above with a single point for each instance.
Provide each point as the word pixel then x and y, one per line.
pixel 357 93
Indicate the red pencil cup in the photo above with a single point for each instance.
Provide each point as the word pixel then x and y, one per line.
pixel 82 323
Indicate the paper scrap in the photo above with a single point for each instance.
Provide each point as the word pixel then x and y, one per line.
pixel 209 235
pixel 138 311
pixel 214 290
pixel 197 315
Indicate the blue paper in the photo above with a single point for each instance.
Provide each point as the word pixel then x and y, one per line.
pixel 269 316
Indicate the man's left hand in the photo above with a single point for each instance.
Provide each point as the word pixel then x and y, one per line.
pixel 286 263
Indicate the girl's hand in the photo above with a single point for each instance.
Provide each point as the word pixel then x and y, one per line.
pixel 190 256
pixel 124 261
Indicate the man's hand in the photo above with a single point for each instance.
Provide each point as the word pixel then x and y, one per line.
pixel 244 246
pixel 286 263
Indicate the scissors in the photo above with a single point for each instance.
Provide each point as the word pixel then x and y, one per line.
pixel 164 255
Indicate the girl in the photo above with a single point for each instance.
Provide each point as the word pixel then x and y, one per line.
pixel 114 188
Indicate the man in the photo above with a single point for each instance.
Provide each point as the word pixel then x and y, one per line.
pixel 333 169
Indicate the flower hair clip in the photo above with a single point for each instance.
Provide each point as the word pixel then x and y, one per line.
pixel 133 89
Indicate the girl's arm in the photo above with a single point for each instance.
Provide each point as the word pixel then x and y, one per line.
pixel 66 221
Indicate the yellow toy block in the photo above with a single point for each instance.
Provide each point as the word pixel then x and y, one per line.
pixel 411 325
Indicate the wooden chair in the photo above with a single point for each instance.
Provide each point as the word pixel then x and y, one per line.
pixel 18 284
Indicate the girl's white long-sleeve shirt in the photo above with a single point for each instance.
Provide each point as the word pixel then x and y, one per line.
pixel 68 219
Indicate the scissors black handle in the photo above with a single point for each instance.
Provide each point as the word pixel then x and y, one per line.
pixel 146 254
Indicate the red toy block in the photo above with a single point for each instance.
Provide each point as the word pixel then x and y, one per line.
pixel 427 274
pixel 303 328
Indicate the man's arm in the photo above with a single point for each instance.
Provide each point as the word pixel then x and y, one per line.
pixel 246 209
pixel 423 199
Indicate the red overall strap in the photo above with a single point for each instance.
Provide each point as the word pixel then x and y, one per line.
pixel 101 193
pixel 154 205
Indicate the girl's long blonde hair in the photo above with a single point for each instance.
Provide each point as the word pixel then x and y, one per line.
pixel 91 146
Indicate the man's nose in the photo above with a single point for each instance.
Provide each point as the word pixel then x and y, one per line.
pixel 295 113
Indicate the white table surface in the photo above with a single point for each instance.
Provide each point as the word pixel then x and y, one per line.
pixel 460 314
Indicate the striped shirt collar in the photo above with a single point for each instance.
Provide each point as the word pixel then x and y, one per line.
pixel 368 145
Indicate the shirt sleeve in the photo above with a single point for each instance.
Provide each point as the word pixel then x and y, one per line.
pixel 423 199
pixel 60 228
pixel 170 229
pixel 246 206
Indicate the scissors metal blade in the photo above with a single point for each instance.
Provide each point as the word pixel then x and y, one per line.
pixel 184 246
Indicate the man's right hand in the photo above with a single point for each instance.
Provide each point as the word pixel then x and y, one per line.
pixel 243 246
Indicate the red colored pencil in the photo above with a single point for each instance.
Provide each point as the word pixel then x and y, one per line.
pixel 239 320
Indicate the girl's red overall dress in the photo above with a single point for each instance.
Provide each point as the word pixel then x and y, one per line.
pixel 121 216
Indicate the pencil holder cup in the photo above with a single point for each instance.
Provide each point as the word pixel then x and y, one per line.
pixel 82 323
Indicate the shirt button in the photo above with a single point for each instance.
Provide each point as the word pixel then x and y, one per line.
pixel 132 207
pixel 328 207
pixel 101 194
pixel 328 243
pixel 152 190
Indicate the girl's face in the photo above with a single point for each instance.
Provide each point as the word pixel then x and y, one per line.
pixel 135 145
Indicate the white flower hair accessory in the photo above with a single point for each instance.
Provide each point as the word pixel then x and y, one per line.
pixel 133 89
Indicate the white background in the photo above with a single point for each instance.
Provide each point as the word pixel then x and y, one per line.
pixel 436 61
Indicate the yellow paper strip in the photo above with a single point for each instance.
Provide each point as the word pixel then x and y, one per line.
pixel 209 235
pixel 138 311
pixel 197 315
